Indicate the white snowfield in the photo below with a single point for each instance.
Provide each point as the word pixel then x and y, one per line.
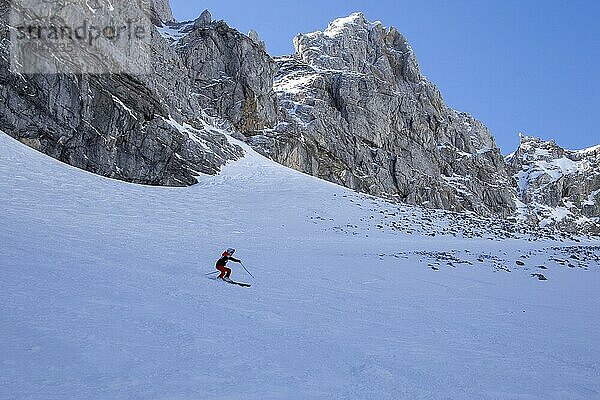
pixel 103 294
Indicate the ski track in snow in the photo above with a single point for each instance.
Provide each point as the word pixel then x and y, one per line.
pixel 103 295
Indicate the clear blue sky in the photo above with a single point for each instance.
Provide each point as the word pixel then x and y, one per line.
pixel 517 65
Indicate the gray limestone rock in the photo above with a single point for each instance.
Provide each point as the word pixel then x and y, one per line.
pixel 557 188
pixel 253 35
pixel 159 11
pixel 144 128
pixel 359 113
pixel 232 75
pixel 203 20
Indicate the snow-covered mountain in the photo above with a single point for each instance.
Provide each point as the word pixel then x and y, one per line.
pixel 350 106
pixel 557 187
pixel 103 293
pixel 361 114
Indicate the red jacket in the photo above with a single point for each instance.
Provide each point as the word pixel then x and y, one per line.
pixel 226 257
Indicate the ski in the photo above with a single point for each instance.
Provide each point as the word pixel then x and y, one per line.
pixel 238 283
pixel 242 284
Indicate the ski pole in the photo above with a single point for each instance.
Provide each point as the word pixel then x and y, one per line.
pixel 214 272
pixel 246 269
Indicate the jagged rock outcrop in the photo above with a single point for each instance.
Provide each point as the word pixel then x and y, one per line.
pixel 159 11
pixel 232 73
pixel 557 187
pixel 359 113
pixel 203 20
pixel 144 128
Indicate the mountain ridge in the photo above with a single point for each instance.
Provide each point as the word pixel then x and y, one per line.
pixel 350 106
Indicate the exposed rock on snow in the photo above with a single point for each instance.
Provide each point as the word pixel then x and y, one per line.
pixel 557 187
pixel 540 277
pixel 359 113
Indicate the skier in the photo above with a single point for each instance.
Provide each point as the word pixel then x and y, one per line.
pixel 222 264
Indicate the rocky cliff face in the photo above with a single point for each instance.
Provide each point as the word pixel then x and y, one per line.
pixel 359 113
pixel 557 187
pixel 159 11
pixel 145 128
pixel 231 73
pixel 350 106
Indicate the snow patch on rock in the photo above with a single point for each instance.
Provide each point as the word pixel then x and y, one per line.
pixel 557 187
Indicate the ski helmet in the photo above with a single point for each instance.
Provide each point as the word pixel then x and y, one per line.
pixel 230 251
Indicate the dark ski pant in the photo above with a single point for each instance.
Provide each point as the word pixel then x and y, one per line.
pixel 225 272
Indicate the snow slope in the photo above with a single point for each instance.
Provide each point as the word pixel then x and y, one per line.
pixel 103 294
